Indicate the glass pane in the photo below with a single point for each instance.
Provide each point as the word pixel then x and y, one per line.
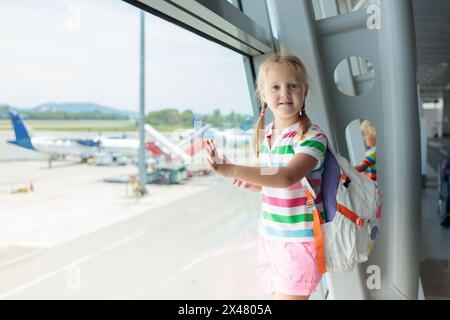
pixel 234 3
pixel 361 137
pixel 354 76
pixel 70 70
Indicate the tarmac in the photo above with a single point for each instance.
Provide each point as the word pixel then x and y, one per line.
pixel 70 200
pixel 92 242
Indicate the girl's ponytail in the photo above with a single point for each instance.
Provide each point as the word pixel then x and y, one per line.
pixel 260 125
pixel 305 121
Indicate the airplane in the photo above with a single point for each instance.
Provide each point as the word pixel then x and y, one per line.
pixel 159 146
pixel 57 148
pixel 109 150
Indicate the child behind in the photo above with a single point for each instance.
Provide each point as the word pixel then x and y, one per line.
pixel 288 149
pixel 368 165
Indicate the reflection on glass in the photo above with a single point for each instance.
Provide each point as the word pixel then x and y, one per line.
pixel 354 76
pixel 368 164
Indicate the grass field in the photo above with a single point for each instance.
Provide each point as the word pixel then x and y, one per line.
pixel 82 125
pixel 74 125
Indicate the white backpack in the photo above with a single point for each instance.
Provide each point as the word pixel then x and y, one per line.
pixel 352 204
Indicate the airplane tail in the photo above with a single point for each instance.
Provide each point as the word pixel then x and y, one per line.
pixel 22 137
pixel 175 150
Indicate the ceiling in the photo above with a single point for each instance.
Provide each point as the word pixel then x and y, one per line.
pixel 432 19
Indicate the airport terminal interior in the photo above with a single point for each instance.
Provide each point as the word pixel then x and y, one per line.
pixel 142 216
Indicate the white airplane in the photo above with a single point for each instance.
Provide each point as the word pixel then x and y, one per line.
pixel 158 145
pixel 107 150
pixel 54 146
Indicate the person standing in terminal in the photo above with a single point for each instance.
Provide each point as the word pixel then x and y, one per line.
pixel 288 149
pixel 368 165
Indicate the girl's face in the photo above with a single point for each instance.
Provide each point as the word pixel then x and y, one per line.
pixel 369 139
pixel 283 92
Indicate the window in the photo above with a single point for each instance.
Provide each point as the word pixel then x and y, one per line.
pixel 65 63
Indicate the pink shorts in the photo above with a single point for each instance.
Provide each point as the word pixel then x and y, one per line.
pixel 288 267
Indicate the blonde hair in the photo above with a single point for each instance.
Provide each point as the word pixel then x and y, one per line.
pixel 368 126
pixel 297 65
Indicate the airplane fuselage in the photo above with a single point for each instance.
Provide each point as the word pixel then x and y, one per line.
pixel 62 147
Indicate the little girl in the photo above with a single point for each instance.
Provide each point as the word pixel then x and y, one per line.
pixel 288 149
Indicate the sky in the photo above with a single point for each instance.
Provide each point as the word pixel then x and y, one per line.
pixel 88 51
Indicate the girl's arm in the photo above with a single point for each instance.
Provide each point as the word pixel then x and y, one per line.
pixel 279 177
pixel 243 184
pixel 361 167
pixel 246 185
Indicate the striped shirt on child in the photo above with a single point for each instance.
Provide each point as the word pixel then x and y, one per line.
pixel 370 159
pixel 285 215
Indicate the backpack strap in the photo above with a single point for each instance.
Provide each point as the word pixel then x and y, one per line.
pixel 359 221
pixel 317 229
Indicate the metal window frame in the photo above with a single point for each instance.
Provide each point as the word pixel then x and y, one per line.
pixel 218 21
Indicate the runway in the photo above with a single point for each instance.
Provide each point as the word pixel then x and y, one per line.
pixel 185 250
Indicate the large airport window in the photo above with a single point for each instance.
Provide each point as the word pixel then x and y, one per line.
pixel 71 211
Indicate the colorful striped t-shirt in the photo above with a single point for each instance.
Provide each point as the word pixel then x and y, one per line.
pixel 370 159
pixel 284 213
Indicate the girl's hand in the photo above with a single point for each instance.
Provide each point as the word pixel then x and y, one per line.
pixel 360 167
pixel 219 164
pixel 246 185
